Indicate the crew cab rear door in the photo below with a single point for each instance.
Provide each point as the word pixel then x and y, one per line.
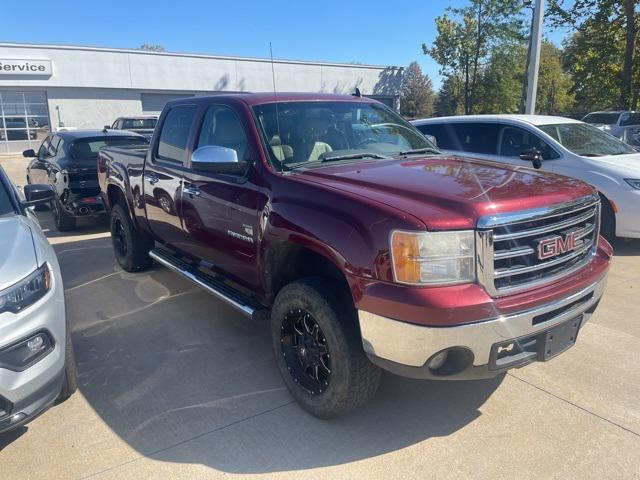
pixel 163 171
pixel 220 209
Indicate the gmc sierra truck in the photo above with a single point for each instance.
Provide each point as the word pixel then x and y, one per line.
pixel 364 246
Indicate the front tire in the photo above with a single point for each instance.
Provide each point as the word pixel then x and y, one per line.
pixel 319 349
pixel 607 221
pixel 70 384
pixel 130 248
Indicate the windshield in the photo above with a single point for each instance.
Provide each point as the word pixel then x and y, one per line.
pixel 6 207
pixel 89 148
pixel 586 140
pixel 602 118
pixel 307 133
pixel 139 124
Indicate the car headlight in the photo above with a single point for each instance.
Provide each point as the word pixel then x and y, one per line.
pixel 634 182
pixel 26 292
pixel 433 258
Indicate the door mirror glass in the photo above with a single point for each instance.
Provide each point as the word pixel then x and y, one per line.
pixel 37 194
pixel 216 159
pixel 534 156
pixel 29 153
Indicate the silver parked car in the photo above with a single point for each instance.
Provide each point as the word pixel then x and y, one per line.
pixel 37 366
pixel 613 123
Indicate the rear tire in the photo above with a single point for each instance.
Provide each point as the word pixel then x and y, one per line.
pixel 352 380
pixel 130 248
pixel 608 220
pixel 70 384
pixel 63 221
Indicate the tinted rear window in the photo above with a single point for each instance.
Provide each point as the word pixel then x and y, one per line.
pixel 604 118
pixel 89 148
pixel 139 123
pixel 175 133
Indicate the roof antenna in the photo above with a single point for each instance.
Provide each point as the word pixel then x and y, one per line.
pixel 275 94
pixel 357 93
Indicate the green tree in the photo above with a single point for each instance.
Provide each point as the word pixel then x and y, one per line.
pixel 554 84
pixel 466 37
pixel 416 94
pixel 605 31
pixel 501 82
pixel 450 98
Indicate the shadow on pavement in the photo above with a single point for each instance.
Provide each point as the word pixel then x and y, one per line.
pixel 626 247
pixel 162 363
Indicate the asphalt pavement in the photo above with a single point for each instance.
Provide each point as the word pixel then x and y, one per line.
pixel 174 384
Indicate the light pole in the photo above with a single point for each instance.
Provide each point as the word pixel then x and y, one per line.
pixel 534 57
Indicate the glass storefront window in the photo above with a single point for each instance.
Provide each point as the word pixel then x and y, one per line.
pixel 24 120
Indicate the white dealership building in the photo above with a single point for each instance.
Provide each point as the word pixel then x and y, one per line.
pixel 48 87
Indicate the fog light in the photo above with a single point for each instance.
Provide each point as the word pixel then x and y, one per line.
pixel 438 360
pixel 25 353
pixel 35 344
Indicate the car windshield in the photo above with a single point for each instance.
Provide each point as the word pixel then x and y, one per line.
pixel 89 148
pixel 6 207
pixel 139 124
pixel 586 140
pixel 312 133
pixel 602 118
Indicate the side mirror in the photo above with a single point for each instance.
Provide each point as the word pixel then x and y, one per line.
pixel 432 139
pixel 31 153
pixel 215 159
pixel 37 194
pixel 534 156
pixel 107 127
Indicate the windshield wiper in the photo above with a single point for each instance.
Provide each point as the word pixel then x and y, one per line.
pixel 422 150
pixel 355 156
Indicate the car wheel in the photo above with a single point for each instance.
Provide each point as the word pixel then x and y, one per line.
pixel 130 248
pixel 319 350
pixel 63 221
pixel 70 384
pixel 607 221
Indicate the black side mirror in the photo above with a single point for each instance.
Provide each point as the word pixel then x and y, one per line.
pixel 37 194
pixel 31 153
pixel 534 156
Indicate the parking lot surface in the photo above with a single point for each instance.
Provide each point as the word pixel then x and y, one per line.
pixel 174 384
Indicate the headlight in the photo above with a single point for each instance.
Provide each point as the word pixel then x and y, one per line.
pixel 433 258
pixel 26 292
pixel 635 183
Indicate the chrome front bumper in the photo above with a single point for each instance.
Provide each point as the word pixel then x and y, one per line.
pixel 394 342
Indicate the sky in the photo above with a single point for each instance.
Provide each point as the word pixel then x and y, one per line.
pixel 371 32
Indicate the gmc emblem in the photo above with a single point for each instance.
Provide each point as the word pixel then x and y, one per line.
pixel 557 245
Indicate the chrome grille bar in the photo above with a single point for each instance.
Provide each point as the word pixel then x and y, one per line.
pixel 515 266
pixel 508 272
pixel 546 229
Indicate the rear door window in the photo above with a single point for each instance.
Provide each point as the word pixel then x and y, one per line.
pixel 515 141
pixel 628 119
pixel 174 136
pixel 444 134
pixel 476 137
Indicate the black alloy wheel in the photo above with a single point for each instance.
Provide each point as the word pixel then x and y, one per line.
pixel 119 238
pixel 305 351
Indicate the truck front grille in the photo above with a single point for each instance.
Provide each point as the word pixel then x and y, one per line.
pixel 523 250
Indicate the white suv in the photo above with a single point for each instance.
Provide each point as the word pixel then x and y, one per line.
pixel 561 145
pixel 37 367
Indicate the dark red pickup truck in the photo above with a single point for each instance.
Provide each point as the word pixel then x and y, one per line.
pixel 364 245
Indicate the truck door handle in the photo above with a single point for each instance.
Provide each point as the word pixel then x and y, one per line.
pixel 151 178
pixel 192 191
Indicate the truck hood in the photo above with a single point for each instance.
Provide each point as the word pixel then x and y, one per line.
pixel 17 251
pixel 449 192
